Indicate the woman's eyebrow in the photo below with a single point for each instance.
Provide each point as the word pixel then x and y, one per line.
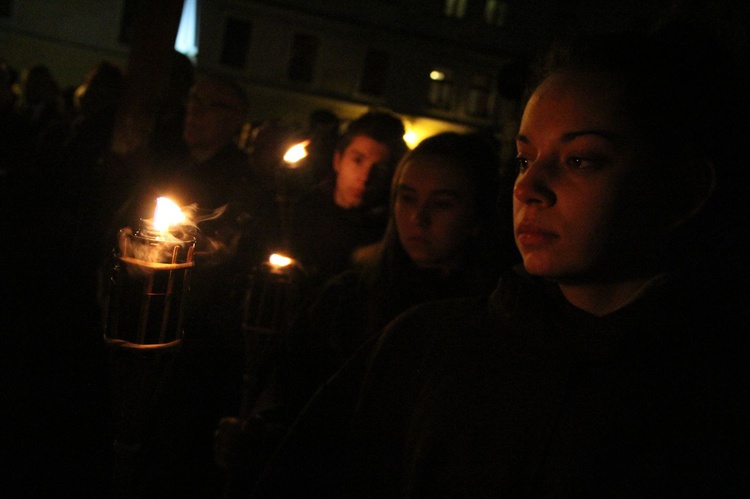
pixel 454 193
pixel 570 136
pixel 436 192
pixel 404 187
pixel 605 134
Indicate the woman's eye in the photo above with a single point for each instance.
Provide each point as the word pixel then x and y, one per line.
pixel 443 204
pixel 523 164
pixel 406 199
pixel 579 163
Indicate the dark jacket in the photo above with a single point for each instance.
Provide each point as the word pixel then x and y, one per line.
pixel 323 236
pixel 525 395
pixel 322 368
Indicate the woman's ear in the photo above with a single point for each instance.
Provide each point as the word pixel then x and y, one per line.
pixel 697 188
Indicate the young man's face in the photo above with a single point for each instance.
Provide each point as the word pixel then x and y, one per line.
pixel 353 166
pixel 583 203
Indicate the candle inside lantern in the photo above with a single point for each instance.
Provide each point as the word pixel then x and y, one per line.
pixel 296 153
pixel 163 238
pixel 167 214
pixel 278 261
pixel 148 282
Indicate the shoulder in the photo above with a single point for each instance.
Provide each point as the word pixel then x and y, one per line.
pixel 424 329
pixel 440 314
pixel 460 324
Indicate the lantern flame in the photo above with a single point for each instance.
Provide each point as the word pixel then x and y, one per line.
pixel 279 260
pixel 167 214
pixel 296 153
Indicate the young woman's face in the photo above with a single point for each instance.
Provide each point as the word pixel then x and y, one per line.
pixel 582 202
pixel 435 212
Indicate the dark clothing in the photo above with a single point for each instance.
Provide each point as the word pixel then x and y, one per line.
pixel 326 362
pixel 16 140
pixel 527 396
pixel 350 310
pixel 55 383
pixel 322 235
pixel 524 395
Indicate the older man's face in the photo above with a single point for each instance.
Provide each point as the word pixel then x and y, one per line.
pixel 214 115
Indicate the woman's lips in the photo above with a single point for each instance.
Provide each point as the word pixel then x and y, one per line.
pixel 529 234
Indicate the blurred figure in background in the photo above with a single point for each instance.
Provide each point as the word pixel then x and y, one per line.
pixel 323 133
pixel 39 97
pixel 15 131
pixel 172 105
pixel 349 211
pixel 266 143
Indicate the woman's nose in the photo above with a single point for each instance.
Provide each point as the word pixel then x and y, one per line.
pixel 534 184
pixel 422 216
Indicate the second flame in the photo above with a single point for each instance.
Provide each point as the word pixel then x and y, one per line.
pixel 296 153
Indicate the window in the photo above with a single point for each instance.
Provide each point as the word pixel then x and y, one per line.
pixel 455 8
pixel 441 88
pixel 187 35
pixel 375 73
pixel 479 99
pixel 302 60
pixel 495 12
pixel 235 43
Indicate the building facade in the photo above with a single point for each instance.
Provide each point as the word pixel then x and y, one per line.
pixel 440 64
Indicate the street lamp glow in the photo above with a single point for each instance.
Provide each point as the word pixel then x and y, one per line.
pixel 436 75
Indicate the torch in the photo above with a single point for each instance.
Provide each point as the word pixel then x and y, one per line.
pixel 272 289
pixel 273 293
pixel 149 281
pixel 291 161
pixel 143 313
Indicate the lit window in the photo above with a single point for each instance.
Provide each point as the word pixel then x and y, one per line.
pixel 495 12
pixel 479 99
pixel 436 75
pixel 455 8
pixel 187 34
pixel 440 93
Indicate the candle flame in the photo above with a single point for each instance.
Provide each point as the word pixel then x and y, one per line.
pixel 296 152
pixel 167 214
pixel 279 260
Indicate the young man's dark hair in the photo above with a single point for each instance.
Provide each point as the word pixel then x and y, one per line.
pixel 381 126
